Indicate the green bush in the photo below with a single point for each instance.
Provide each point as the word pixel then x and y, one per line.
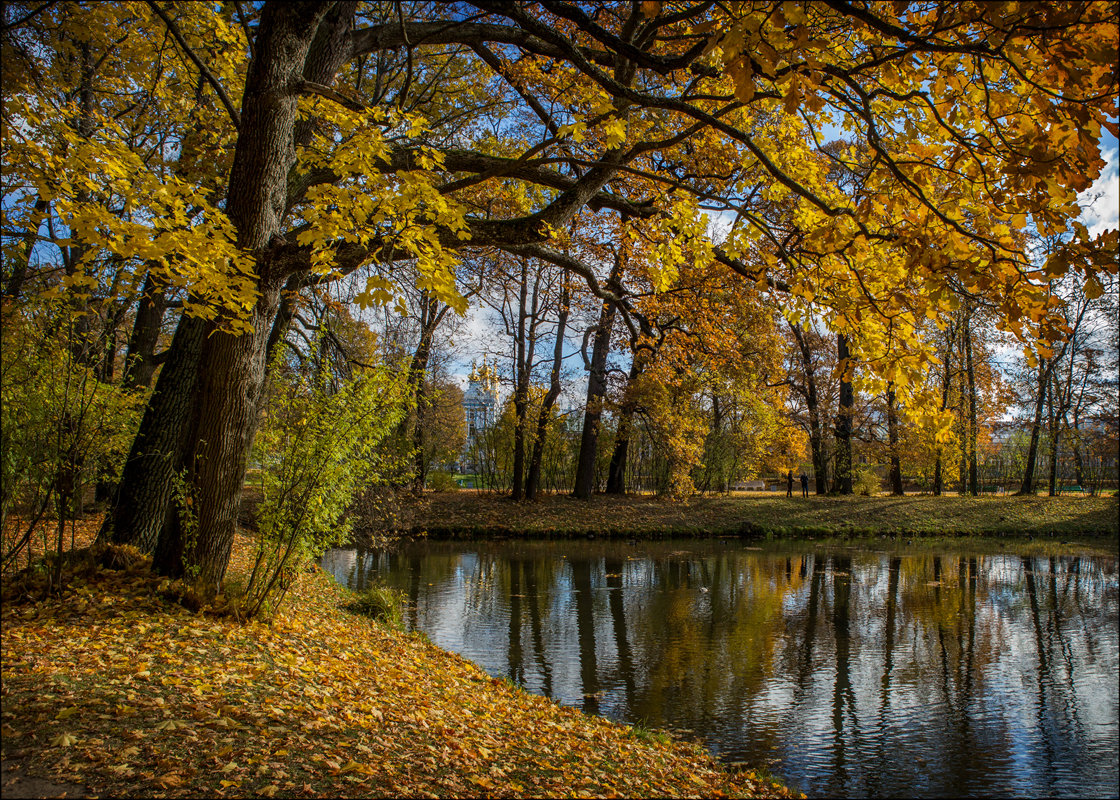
pixel 866 482
pixel 318 447
pixel 442 481
pixel 61 428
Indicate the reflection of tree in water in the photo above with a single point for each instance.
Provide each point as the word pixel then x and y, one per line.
pixel 756 650
pixel 585 621
pixel 516 669
pixel 843 697
pixel 614 579
pixel 532 595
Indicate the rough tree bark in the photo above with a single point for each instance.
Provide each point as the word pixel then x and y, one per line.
pixel 140 357
pixel 593 413
pixel 144 497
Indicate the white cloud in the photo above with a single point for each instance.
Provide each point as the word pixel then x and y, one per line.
pixel 1100 203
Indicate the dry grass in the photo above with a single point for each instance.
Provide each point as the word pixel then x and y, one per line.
pixel 474 514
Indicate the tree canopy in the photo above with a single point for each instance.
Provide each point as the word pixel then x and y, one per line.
pixel 872 165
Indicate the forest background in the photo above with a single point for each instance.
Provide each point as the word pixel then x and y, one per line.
pixel 835 237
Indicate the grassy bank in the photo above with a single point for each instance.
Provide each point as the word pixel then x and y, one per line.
pixel 467 514
pixel 114 690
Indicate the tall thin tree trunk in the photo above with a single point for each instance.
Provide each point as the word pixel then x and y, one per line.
pixel 973 458
pixel 532 482
pixel 844 412
pixel 521 384
pixel 430 317
pixel 1027 486
pixel 892 437
pixel 946 386
pixel 1053 417
pixel 812 403
pixel 1078 459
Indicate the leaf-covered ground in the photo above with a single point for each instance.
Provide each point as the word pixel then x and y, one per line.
pixel 470 513
pixel 115 688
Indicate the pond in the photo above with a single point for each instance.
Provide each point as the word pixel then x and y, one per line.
pixel 881 670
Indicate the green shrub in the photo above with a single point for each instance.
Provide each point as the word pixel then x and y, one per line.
pixel 382 603
pixel 866 482
pixel 318 447
pixel 61 428
pixel 442 481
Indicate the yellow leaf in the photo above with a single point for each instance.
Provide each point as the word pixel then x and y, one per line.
pixel 64 740
pixel 1093 287
pixel 577 130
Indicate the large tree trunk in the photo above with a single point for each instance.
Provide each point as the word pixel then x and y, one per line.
pixel 219 421
pixel 593 412
pixel 844 412
pixel 532 482
pixel 227 411
pixel 143 499
pixel 892 438
pixel 596 392
pixel 232 366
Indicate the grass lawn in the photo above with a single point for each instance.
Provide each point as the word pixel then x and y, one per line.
pixel 112 689
pixel 466 514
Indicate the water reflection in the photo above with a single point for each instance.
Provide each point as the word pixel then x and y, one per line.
pixel 849 672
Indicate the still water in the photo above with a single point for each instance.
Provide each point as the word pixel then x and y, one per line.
pixel 847 671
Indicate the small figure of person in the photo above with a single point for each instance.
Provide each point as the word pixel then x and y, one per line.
pixel 789 484
pixel 804 485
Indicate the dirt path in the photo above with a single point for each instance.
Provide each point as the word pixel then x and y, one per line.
pixel 16 785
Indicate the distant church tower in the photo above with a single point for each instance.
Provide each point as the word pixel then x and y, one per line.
pixel 480 401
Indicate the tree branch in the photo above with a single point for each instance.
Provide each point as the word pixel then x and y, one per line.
pixel 202 68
